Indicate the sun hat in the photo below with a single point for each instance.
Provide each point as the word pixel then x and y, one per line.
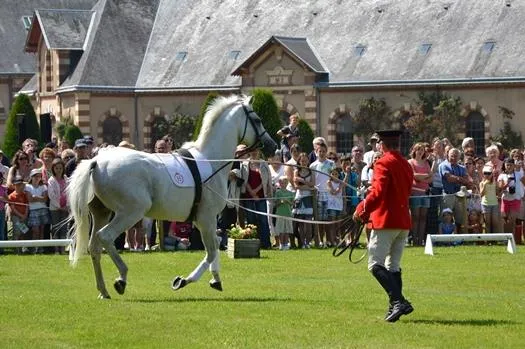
pixel 447 210
pixel 35 171
pixel 487 169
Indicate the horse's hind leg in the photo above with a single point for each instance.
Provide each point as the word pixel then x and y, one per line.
pixel 100 216
pixel 107 235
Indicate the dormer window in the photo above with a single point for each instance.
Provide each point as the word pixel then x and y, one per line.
pixel 181 55
pixel 424 49
pixel 27 21
pixel 234 54
pixel 359 50
pixel 488 46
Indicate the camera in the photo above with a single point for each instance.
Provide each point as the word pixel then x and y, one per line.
pixel 512 190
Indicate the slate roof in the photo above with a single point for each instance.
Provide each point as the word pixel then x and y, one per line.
pixel 141 45
pixel 115 51
pixel 65 29
pixel 13 59
pixel 390 33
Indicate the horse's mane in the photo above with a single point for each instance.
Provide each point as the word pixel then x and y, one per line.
pixel 215 109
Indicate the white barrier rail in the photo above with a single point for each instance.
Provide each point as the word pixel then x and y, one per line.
pixel 511 244
pixel 35 243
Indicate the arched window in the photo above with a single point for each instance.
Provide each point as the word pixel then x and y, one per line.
pixel 475 128
pixel 158 126
pixel 343 134
pixel 112 130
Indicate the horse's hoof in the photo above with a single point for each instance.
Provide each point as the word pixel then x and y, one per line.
pixel 120 286
pixel 178 283
pixel 102 296
pixel 217 285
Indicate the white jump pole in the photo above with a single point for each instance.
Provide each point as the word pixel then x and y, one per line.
pixel 35 243
pixel 511 244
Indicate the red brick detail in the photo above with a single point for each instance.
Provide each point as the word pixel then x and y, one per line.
pixel 84 113
pixel 310 110
pixel 84 124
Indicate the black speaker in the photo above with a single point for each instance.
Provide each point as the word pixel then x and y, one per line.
pixel 45 128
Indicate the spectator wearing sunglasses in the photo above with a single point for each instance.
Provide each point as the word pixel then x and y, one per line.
pixel 20 168
pixel 357 159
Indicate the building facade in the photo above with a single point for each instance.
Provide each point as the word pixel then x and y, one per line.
pixel 118 67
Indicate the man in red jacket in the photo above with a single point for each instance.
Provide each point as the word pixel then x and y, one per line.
pixel 386 209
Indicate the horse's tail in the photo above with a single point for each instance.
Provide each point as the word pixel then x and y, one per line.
pixel 80 193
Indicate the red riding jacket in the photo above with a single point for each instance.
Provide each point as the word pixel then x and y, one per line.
pixel 386 204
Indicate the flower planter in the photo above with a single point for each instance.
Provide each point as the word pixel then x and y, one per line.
pixel 244 248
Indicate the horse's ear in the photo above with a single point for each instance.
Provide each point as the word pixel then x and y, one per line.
pixel 250 100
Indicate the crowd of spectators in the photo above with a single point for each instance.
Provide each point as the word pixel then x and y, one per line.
pixel 294 198
pixel 455 190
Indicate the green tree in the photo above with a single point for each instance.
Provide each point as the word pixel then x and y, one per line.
pixel 435 113
pixel 372 115
pixel 180 127
pixel 72 133
pixel 198 122
pixel 507 136
pixel 306 136
pixel 266 107
pixel 12 141
pixel 61 126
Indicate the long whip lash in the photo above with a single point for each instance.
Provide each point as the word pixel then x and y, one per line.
pixel 351 232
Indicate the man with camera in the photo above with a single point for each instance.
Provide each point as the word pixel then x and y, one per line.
pixel 511 183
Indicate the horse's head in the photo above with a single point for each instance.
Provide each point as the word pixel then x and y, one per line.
pixel 253 134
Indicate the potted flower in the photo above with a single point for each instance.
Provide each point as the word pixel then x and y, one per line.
pixel 243 242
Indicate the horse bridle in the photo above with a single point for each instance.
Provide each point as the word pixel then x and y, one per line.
pixel 248 113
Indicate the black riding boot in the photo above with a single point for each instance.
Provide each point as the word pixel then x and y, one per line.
pixel 392 288
pixel 386 279
pixel 397 278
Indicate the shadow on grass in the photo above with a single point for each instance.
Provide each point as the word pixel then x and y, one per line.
pixel 211 299
pixel 468 322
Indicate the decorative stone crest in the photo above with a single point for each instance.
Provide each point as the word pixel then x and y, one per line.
pixel 279 76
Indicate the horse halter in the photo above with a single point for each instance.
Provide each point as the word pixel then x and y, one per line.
pixel 258 136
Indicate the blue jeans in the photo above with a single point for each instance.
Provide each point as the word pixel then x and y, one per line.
pixel 260 220
pixel 3 236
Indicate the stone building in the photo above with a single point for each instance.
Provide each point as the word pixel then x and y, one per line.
pixel 119 67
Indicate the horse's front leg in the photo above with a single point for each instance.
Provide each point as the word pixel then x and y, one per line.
pixel 211 260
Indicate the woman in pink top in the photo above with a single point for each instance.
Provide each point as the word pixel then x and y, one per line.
pixel 419 199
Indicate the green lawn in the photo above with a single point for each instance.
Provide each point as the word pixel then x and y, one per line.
pixel 464 297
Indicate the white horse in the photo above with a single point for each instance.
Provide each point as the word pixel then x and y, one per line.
pixel 120 186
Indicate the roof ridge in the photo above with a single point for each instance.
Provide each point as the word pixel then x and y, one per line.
pixel 63 10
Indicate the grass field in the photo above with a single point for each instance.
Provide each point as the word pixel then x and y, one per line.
pixel 464 297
